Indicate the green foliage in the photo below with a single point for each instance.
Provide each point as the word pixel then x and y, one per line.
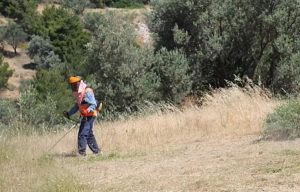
pixel 93 20
pixel 65 31
pixel 121 67
pixel 43 102
pixel 14 35
pixel 172 69
pixel 119 3
pixel 284 122
pixel 287 75
pixel 8 111
pixel 32 21
pixel 127 3
pixel 5 72
pixel 39 46
pixel 41 51
pixel 77 6
pixel 98 3
pixel 224 38
pixel 129 75
pixel 17 8
pixel 24 12
pixel 2 37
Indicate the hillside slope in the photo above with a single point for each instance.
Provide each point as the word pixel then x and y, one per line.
pixel 212 148
pixel 19 64
pixel 200 165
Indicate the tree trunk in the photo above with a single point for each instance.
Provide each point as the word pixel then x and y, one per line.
pixel 15 48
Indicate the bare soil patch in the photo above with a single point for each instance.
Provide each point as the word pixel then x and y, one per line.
pixel 17 63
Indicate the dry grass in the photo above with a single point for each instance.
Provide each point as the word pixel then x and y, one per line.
pixel 226 113
pixel 161 152
pixel 229 113
pixel 25 166
pixel 3 21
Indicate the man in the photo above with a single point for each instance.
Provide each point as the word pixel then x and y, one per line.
pixel 86 104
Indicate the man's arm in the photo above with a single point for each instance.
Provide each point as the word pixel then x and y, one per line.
pixel 73 110
pixel 90 99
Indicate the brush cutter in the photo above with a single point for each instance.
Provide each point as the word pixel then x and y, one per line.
pixel 69 130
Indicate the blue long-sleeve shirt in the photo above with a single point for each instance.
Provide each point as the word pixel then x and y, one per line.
pixel 90 99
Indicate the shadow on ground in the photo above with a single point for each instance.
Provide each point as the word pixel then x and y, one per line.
pixel 32 66
pixel 64 155
pixel 9 54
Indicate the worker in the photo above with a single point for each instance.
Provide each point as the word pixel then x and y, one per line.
pixel 86 104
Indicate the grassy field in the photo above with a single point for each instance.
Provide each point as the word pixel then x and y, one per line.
pixel 211 148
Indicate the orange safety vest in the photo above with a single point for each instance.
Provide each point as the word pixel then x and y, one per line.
pixel 84 107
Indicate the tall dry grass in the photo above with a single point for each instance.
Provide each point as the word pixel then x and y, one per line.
pixel 229 112
pixel 26 166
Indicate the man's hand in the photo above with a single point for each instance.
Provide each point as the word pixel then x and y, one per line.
pixel 66 114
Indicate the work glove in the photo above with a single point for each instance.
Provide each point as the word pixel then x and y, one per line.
pixel 66 114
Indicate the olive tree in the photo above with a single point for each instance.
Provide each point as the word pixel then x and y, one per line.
pixel 223 38
pixel 15 35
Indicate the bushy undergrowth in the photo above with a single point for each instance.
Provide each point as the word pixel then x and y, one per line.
pixel 119 3
pixel 5 72
pixel 284 123
pixel 127 4
pixel 8 110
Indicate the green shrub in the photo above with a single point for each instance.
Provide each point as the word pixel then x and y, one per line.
pixel 42 103
pixel 15 35
pixel 77 6
pixel 65 32
pixel 128 75
pixel 222 39
pixel 127 3
pixel 287 78
pixel 99 3
pixel 8 111
pixel 17 8
pixel 172 69
pixel 119 3
pixel 92 21
pixel 41 51
pixel 120 66
pixel 5 72
pixel 284 123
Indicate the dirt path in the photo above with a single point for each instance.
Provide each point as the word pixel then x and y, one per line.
pixel 200 165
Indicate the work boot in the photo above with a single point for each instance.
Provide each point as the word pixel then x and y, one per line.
pixel 81 154
pixel 99 153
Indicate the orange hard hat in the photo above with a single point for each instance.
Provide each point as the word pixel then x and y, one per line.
pixel 74 79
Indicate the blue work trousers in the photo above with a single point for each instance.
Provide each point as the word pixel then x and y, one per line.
pixel 86 136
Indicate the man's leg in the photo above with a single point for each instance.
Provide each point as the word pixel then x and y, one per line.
pixel 91 140
pixel 83 135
